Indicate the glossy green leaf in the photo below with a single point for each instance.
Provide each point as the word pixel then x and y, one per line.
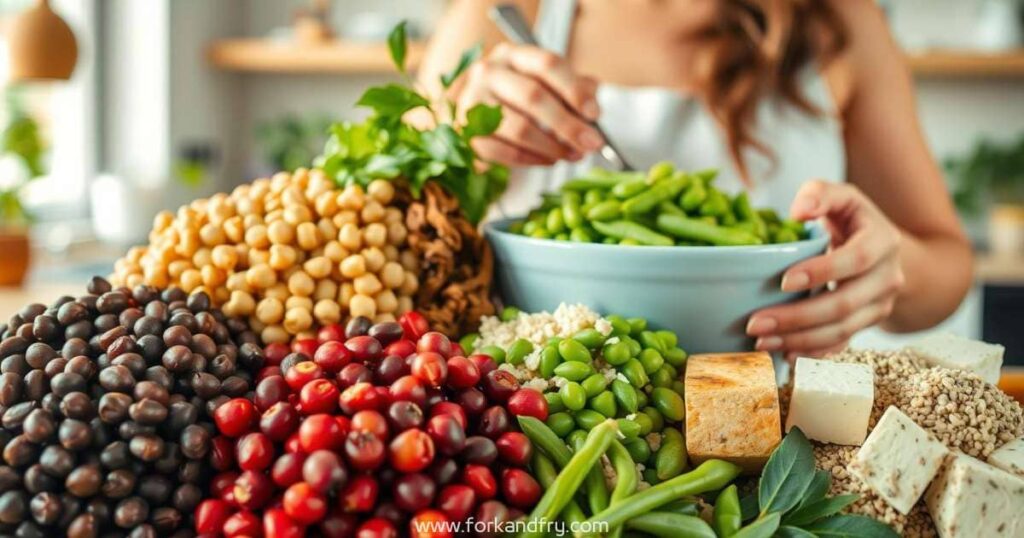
pixel 788 473
pixel 398 43
pixel 816 510
pixel 469 56
pixel 764 527
pixel 850 526
pixel 392 100
pixel 482 120
pixel 787 531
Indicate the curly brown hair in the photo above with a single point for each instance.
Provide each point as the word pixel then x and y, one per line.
pixel 757 48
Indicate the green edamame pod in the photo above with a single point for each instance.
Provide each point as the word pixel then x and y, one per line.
pixel 707 175
pixel 671 525
pixel 593 182
pixel 638 449
pixel 556 222
pixel 715 205
pixel 654 195
pixel 494 352
pixel 660 171
pixel 727 516
pixel 784 235
pixel 554 402
pixel 645 423
pixel 591 338
pixel 650 340
pixel 571 213
pixel 588 418
pixel 661 378
pixel 549 360
pixel 634 372
pixel 581 235
pixel 694 196
pixel 657 421
pixel 667 206
pixel 518 351
pixel 624 229
pixel 604 403
pixel 574 351
pixel 745 212
pixel 605 211
pixel 468 342
pixel 561 423
pixel 616 354
pixel 668 339
pixel 628 427
pixel 669 404
pixel 532 226
pixel 593 197
pixel 675 356
pixel 651 360
pixel 671 458
pixel 573 396
pixel 697 230
pixel 625 395
pixel 597 490
pixel 594 385
pixel 627 189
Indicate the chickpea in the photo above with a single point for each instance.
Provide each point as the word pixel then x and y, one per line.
pixel 353 266
pixel 326 228
pixel 318 267
pixel 409 261
pixel 304 303
pixel 293 196
pixel 392 275
pixel 326 204
pixel 345 217
pixel 278 291
pixel 273 216
pixel 256 236
pixel 387 302
pixel 297 214
pixel 282 257
pixel 367 284
pixel 162 220
pixel 327 312
pixel 221 295
pixel 136 253
pixel 133 280
pixel 261 276
pixel 258 256
pixel 345 293
pixel 233 229
pixel 381 190
pixel 334 251
pixel 156 276
pixel 410 285
pixel 300 283
pixel 372 212
pixel 190 279
pixel 393 214
pixel 297 320
pixel 270 310
pixel 386 317
pixel 352 198
pixel 249 206
pixel 350 237
pixel 241 304
pixel 404 304
pixel 272 205
pixel 188 244
pixel 281 233
pixel 224 257
pixel 397 233
pixel 375 259
pixel 202 257
pixel 256 325
pixel 391 253
pixel 237 281
pixel 213 276
pixel 362 305
pixel 274 334
pixel 375 234
pixel 325 289
pixel 308 236
pixel 221 208
pixel 252 220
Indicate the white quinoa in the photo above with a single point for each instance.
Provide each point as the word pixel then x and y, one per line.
pixel 538 328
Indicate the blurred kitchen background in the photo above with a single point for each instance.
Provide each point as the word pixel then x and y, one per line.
pixel 170 100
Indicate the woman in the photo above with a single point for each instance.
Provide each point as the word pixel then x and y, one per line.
pixel 805 103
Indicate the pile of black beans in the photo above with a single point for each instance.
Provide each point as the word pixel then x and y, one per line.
pixel 106 403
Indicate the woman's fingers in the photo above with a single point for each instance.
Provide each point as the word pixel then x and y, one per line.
pixel 517 129
pixel 829 307
pixel 494 149
pixel 578 92
pixel 830 336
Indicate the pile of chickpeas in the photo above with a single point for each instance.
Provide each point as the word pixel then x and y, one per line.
pixel 290 253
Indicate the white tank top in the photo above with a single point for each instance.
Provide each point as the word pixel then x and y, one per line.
pixel 651 124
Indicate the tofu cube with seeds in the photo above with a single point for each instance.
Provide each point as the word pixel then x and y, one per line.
pixel 956 352
pixel 898 460
pixel 832 401
pixel 970 499
pixel 732 408
pixel 1009 457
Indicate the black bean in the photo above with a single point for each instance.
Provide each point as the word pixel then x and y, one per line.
pixel 105 322
pixel 117 378
pixel 77 405
pixel 55 366
pixel 172 460
pixel 198 302
pixel 186 498
pixel 45 508
pixel 166 519
pixel 39 426
pixel 357 326
pixel 151 347
pixel 112 302
pixel 74 434
pixel 56 461
pixel 234 386
pixel 80 329
pixel 386 332
pixel 11 388
pixel 121 345
pixel 291 360
pixel 36 385
pixel 195 442
pixel 51 403
pixel 118 484
pixel 147 412
pixel 185 320
pixel 65 383
pixel 98 285
pixel 38 481
pixel 13 507
pixel 146 447
pixel 130 316
pixel 178 359
pixel 155 489
pixel 107 338
pixel 15 364
pixel 100 508
pixel 38 354
pixel 46 328
pixel 204 345
pixel 115 455
pixel 157 310
pixel 180 415
pixel 148 325
pixel 113 407
pixel 20 452
pixel 161 376
pixel 84 526
pixel 25 331
pixel 84 481
pixel 129 429
pixel 134 362
pixel 74 347
pixel 173 294
pixel 206 322
pixel 30 311
pixel 13 345
pixel 9 478
pixel 71 312
pixel 15 414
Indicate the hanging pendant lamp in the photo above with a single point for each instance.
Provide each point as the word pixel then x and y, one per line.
pixel 42 46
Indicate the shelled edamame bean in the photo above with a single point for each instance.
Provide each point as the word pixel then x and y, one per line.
pixel 662 207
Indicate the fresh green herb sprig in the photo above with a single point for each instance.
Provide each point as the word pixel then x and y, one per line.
pixel 386 146
pixel 792 499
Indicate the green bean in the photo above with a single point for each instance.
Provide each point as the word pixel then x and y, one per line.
pixel 694 196
pixel 556 222
pixel 620 327
pixel 546 473
pixel 573 396
pixel 660 171
pixel 616 354
pixel 468 342
pixel 571 213
pixel 588 418
pixel 637 326
pixel 657 193
pixel 593 182
pixel 727 517
pixel 634 372
pixel 518 351
pixel 592 338
pixel 657 421
pixel 627 189
pixel 641 399
pixel 561 491
pixel 624 229
pixel 668 339
pixel 625 395
pixel 670 460
pixel 675 356
pixel 669 404
pixel 686 507
pixel 667 206
pixel 628 427
pixel 546 440
pixel 605 211
pixel 549 360
pixel 661 378
pixel 670 525
pixel 645 423
pixel 560 423
pixel 626 478
pixel 593 196
pixel 687 228
pixel 572 350
pixel 597 490
pixel 494 352
pixel 554 402
pixel 581 235
pixel 574 371
pixel 594 384
pixel 604 403
pixel 651 360
pixel 709 476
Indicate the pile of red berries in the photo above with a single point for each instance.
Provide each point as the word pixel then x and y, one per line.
pixel 368 430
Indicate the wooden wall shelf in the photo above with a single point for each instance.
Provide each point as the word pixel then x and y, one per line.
pixel 337 57
pixel 953 64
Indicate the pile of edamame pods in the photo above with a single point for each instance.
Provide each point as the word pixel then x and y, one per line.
pixel 660 207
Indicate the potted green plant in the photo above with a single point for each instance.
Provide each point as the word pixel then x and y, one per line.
pixel 991 177
pixel 21 146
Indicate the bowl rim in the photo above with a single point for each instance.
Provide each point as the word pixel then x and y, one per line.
pixel 818 239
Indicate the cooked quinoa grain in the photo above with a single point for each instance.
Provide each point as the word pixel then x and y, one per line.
pixel 540 327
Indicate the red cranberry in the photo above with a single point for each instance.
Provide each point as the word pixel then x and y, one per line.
pixel 457 501
pixel 235 417
pixel 344 425
pixel 429 524
pixel 360 495
pixel 334 332
pixel 319 432
pixel 222 484
pixel 462 373
pixel 243 524
pixel 514 448
pixel 324 472
pixel 332 356
pixel 400 348
pixel 413 492
pixel 479 450
pixel 254 452
pixel 389 511
pixel 364 348
pixel 444 471
pixel 403 415
pixel 377 528
pixel 279 421
pixel 484 363
pixel 409 388
pixel 499 385
pixel 447 434
pixel 287 470
pixel 435 342
pixel 275 353
pixel 268 371
pixel 297 376
pixel 293 444
pixel 364 450
pixel 493 514
pixel 453 409
pixel 371 422
pixel 304 504
pixel 305 346
pixel 211 515
pixel 359 397
pixel 528 402
pixel 277 524
pixel 411 451
pixel 353 373
pixel 472 401
pixel 429 367
pixel 457 350
pixel 252 490
pixel 414 325
pixel 319 396
pixel 519 488
pixel 269 391
pixel 339 526
pixel 494 422
pixel 481 480
pixel 222 453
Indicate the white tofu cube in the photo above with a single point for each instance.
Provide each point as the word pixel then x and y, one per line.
pixel 898 460
pixel 1009 457
pixel 956 352
pixel 970 499
pixel 832 401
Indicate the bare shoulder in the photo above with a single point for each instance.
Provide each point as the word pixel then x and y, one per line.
pixel 870 50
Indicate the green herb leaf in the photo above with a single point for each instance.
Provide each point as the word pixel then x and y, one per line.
pixel 816 510
pixel 786 531
pixel 398 43
pixel 482 120
pixel 391 101
pixel 764 527
pixel 817 489
pixel 749 508
pixel 443 144
pixel 851 526
pixel 787 475
pixel 469 56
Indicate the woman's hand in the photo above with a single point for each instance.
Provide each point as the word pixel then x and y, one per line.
pixel 864 262
pixel 546 107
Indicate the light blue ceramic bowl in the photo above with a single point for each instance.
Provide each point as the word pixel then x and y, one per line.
pixel 704 294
